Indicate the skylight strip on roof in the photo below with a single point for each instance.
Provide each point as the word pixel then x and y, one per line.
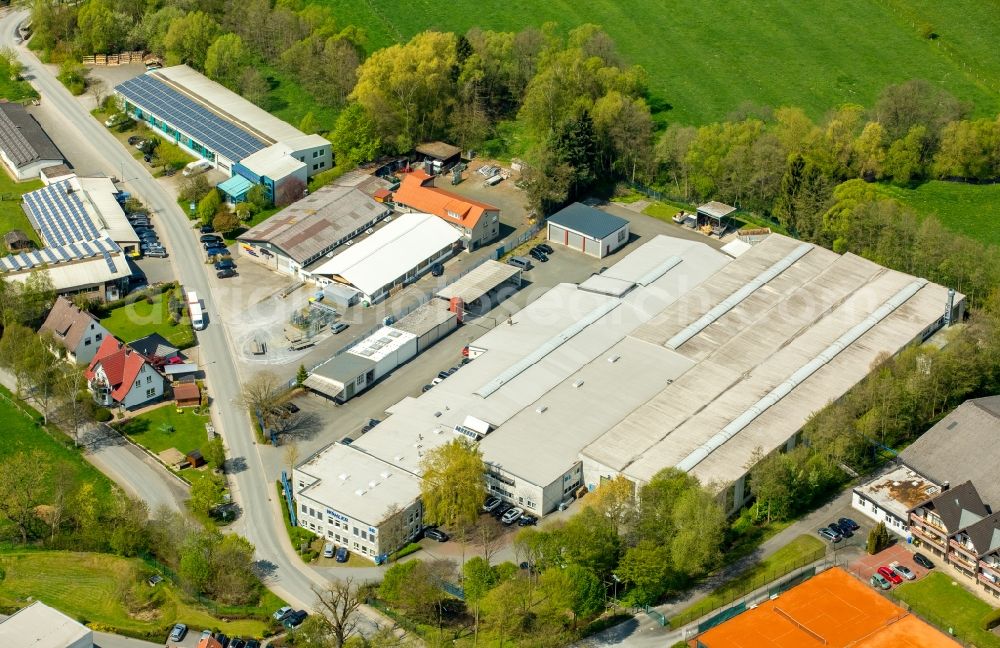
pixel 736 298
pixel 799 376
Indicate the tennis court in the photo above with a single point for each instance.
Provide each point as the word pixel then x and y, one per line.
pixel 832 610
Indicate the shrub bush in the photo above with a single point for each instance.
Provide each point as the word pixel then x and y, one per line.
pixel 103 415
pixel 990 620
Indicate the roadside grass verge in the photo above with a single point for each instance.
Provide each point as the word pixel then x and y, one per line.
pixel 171 427
pixel 798 553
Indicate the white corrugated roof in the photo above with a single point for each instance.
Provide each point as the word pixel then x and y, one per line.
pixel 391 252
pixel 40 626
pixel 275 162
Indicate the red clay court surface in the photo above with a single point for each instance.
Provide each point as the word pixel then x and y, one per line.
pixel 830 610
pixel 866 565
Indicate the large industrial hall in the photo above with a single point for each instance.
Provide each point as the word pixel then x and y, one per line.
pixel 710 360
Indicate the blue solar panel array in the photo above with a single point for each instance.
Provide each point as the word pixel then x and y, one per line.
pixel 58 214
pixel 152 95
pixel 52 255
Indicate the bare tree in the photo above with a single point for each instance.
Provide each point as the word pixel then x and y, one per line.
pixel 339 602
pixel 261 393
pixel 292 456
pixel 97 90
pixel 488 536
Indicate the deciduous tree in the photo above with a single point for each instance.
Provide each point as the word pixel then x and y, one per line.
pixel 24 479
pixel 452 484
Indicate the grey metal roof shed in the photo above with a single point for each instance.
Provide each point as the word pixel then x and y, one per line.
pixel 588 221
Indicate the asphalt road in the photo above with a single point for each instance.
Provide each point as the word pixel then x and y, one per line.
pixel 261 522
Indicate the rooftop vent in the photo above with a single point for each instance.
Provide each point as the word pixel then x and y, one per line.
pixel 372 484
pixel 541 409
pixel 613 359
pixel 398 458
pixel 343 476
pixel 360 492
pixel 578 383
pixel 385 474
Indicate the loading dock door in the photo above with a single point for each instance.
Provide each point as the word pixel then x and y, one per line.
pixel 574 241
pixel 557 234
pixel 592 247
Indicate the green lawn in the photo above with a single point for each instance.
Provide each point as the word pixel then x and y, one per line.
pixel 21 434
pixel 949 606
pixel 169 427
pixel 133 321
pixel 12 90
pixel 972 210
pixel 705 58
pixel 11 214
pixel 89 587
pixel 797 553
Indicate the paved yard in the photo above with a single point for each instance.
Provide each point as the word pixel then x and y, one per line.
pixel 865 565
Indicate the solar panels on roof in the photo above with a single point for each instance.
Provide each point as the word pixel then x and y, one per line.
pixel 110 262
pixel 228 140
pixel 59 214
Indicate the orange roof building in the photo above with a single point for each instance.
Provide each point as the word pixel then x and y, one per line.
pixel 120 375
pixel 831 610
pixel 479 222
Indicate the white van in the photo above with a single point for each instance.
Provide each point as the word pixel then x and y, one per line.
pixel 520 262
pixel 196 167
pixel 195 311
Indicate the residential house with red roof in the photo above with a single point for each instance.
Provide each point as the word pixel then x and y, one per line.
pixel 121 376
pixel 75 330
pixel 479 222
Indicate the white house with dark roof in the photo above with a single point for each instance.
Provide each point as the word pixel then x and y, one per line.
pixel 75 330
pixel 24 147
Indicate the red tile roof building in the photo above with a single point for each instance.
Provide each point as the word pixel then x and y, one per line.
pixel 479 222
pixel 119 375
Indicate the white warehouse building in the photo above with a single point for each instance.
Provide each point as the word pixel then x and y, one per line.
pixel 676 356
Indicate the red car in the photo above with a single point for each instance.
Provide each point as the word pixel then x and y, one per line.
pixel 890 575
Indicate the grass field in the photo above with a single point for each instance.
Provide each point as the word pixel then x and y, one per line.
pixel 972 210
pixel 705 58
pixel 167 427
pixel 89 587
pixel 948 606
pixel 797 553
pixel 11 214
pixel 20 434
pixel 133 321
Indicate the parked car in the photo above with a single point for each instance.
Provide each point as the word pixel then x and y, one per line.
pixel 205 634
pixel 347 440
pixel 510 517
pixel 426 388
pixel 217 252
pixel 437 381
pixel 178 631
pixel 436 534
pixel 546 248
pixel 226 273
pixel 157 252
pixel 154 580
pixel 295 619
pixel 903 571
pixel 491 503
pixel 282 612
pixel 207 229
pixel 451 371
pixel 890 575
pixel 342 554
pixel 133 140
pixel 238 643
pixel 877 580
pixel 225 264
pixel 499 511
pixel 328 550
pixel 208 238
pixel 538 255
pixel 520 262
pixel 437 270
pixel 223 640
pixel 196 167
pixel 836 528
pixel 252 643
pixel 849 522
pixel 339 327
pixel 139 144
pixel 923 561
pixel 527 520
pixel 845 529
pixel 827 534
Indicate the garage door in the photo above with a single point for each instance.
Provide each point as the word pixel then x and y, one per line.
pixel 557 234
pixel 593 247
pixel 575 241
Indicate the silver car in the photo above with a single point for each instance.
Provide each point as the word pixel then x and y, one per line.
pixel 328 550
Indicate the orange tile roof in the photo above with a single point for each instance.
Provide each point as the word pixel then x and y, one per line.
pixel 121 365
pixel 418 192
pixel 832 610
